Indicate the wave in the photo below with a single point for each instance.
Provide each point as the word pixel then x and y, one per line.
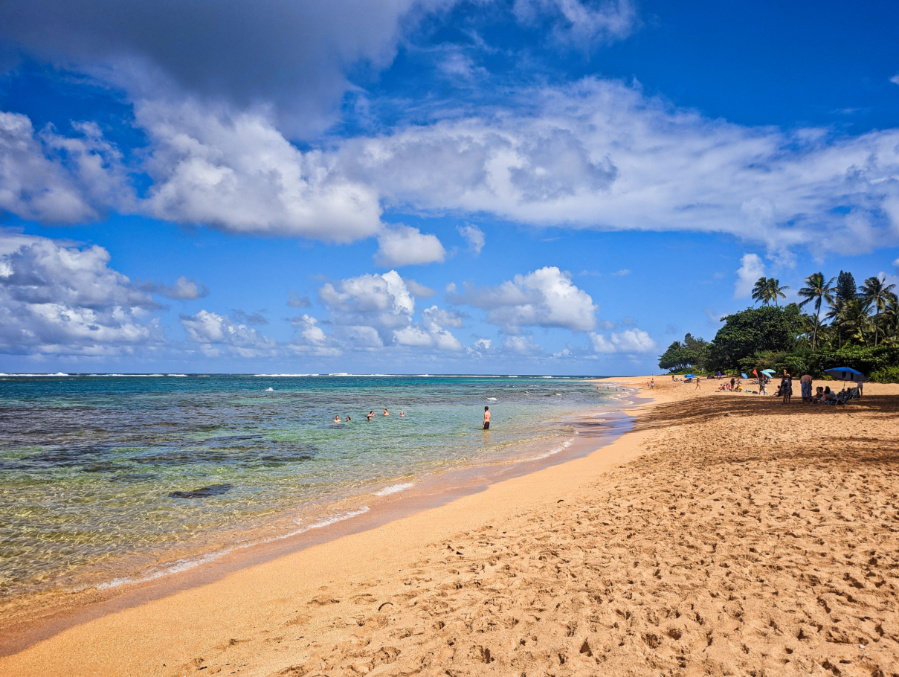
pixel 394 488
pixel 177 375
pixel 551 452
pixel 59 373
pixel 192 562
pixel 283 375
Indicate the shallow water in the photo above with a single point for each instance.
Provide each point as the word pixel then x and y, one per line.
pixel 106 478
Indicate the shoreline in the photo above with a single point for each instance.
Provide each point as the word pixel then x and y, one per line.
pixel 725 534
pixel 347 516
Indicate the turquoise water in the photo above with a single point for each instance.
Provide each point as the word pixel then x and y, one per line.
pixel 107 476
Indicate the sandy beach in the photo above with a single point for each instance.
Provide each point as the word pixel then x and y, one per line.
pixel 727 534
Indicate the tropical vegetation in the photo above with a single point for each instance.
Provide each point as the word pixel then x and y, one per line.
pixel 836 323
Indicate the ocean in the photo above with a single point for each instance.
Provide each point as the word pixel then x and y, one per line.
pixel 111 479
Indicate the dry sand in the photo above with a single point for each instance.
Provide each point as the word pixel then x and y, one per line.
pixel 728 534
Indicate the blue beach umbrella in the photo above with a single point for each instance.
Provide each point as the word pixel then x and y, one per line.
pixel 689 376
pixel 845 374
pixel 743 375
pixel 768 372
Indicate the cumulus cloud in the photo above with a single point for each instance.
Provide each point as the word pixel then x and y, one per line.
pixel 627 341
pixel 474 236
pixel 65 300
pixel 542 298
pixel 54 179
pixel 311 338
pixel 217 334
pixel 895 79
pixel 377 310
pixel 185 289
pixel 238 173
pixel 522 345
pixel 406 246
pixel 751 269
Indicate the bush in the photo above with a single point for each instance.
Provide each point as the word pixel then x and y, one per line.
pixel 885 375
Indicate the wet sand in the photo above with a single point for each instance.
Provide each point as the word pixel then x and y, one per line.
pixel 727 534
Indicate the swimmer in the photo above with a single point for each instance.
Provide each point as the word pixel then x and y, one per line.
pixel 370 415
pixel 386 413
pixel 402 414
pixel 336 418
pixel 347 419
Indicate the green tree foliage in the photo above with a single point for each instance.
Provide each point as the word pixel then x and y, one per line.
pixel 754 330
pixel 692 352
pixel 859 330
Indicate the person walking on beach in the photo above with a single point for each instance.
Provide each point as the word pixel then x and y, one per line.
pixel 698 383
pixel 652 384
pixel 486 418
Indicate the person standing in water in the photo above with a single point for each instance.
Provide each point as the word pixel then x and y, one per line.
pixel 370 415
pixel 386 413
pixel 486 418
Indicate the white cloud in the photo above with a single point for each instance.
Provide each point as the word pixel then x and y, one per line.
pixel 522 345
pixel 474 236
pixel 543 298
pixel 627 341
pixel 599 154
pixel 238 173
pixel 406 246
pixel 621 273
pixel 895 79
pixel 215 332
pixel 294 300
pixel 751 269
pixel 36 184
pixel 377 310
pixel 58 299
pixel 311 338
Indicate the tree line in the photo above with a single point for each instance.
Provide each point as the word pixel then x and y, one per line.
pixel 836 324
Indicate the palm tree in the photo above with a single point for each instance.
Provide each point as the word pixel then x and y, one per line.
pixel 854 317
pixel 775 290
pixel 875 292
pixel 817 290
pixel 760 290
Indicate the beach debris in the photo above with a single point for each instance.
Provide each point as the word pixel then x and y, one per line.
pixel 727 413
pixel 203 492
pixel 385 604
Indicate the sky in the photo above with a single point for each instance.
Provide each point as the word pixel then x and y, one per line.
pixel 429 186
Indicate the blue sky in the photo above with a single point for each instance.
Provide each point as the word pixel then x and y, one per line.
pixel 531 186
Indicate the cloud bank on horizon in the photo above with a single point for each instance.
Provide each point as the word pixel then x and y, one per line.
pixel 287 121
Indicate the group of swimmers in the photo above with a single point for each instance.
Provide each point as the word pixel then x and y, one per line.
pixel 370 415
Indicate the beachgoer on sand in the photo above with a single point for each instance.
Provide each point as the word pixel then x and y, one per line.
pixel 486 418
pixel 786 387
pixel 805 387
pixel 652 384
